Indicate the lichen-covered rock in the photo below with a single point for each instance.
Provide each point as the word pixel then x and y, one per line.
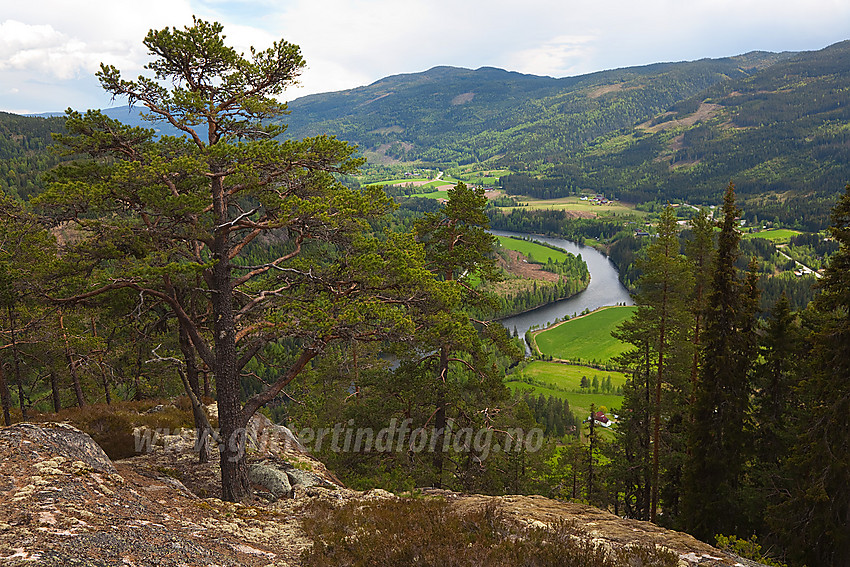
pixel 63 503
pixel 305 479
pixel 56 440
pixel 272 479
pixel 266 436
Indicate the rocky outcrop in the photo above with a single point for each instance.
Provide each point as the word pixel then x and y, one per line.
pixel 62 442
pixel 62 502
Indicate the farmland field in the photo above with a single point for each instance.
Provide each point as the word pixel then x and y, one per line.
pixel 563 381
pixel 586 208
pixel 586 338
pixel 776 236
pixel 403 181
pixel 532 250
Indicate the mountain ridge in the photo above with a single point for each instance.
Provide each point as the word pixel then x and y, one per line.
pixel 634 133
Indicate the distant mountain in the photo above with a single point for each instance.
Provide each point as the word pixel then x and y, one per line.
pixel 448 114
pixel 782 135
pixel 132 116
pixel 777 124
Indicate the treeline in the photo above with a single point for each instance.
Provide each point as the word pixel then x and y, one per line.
pixel 556 222
pixel 541 293
pixel 573 277
pixel 540 188
pixel 775 271
pixel 553 414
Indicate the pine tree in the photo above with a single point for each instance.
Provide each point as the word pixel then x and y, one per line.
pixel 659 328
pixel 26 252
pixel 459 247
pixel 161 215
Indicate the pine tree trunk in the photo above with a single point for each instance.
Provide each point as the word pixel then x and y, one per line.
pixel 440 416
pixel 646 493
pixel 72 366
pixel 16 358
pixel 656 426
pixel 103 377
pixel 234 469
pixel 54 387
pixel 194 393
pixel 5 398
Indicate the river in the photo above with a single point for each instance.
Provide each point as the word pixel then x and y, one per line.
pixel 604 288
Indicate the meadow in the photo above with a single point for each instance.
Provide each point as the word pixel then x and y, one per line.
pixel 564 381
pixel 574 203
pixel 533 251
pixel 433 195
pixel 586 338
pixel 777 236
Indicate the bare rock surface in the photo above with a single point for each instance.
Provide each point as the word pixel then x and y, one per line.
pixel 62 502
pixel 604 527
pixel 272 479
pixel 58 509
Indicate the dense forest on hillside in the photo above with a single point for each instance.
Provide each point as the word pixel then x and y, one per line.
pixel 775 124
pixel 780 134
pixel 449 115
pixel 24 154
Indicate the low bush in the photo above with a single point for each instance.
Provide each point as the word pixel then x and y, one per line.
pixel 431 532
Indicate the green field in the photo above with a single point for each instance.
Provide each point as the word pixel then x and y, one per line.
pixel 485 177
pixel 537 252
pixel 433 195
pixel 776 236
pixel 404 181
pixel 586 338
pixel 579 403
pixel 564 381
pixel 576 204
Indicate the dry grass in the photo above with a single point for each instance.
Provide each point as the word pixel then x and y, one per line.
pixel 431 532
pixel 111 426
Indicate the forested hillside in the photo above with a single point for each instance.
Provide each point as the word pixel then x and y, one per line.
pixel 775 124
pixel 23 152
pixel 235 265
pixel 447 115
pixel 782 135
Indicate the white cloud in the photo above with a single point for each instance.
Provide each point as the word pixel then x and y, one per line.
pixel 52 47
pixel 16 35
pixel 558 57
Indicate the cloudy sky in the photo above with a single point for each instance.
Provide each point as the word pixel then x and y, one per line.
pixel 50 49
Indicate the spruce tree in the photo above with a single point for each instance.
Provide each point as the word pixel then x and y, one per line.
pixel 775 379
pixel 717 440
pixel 814 518
pixel 700 251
